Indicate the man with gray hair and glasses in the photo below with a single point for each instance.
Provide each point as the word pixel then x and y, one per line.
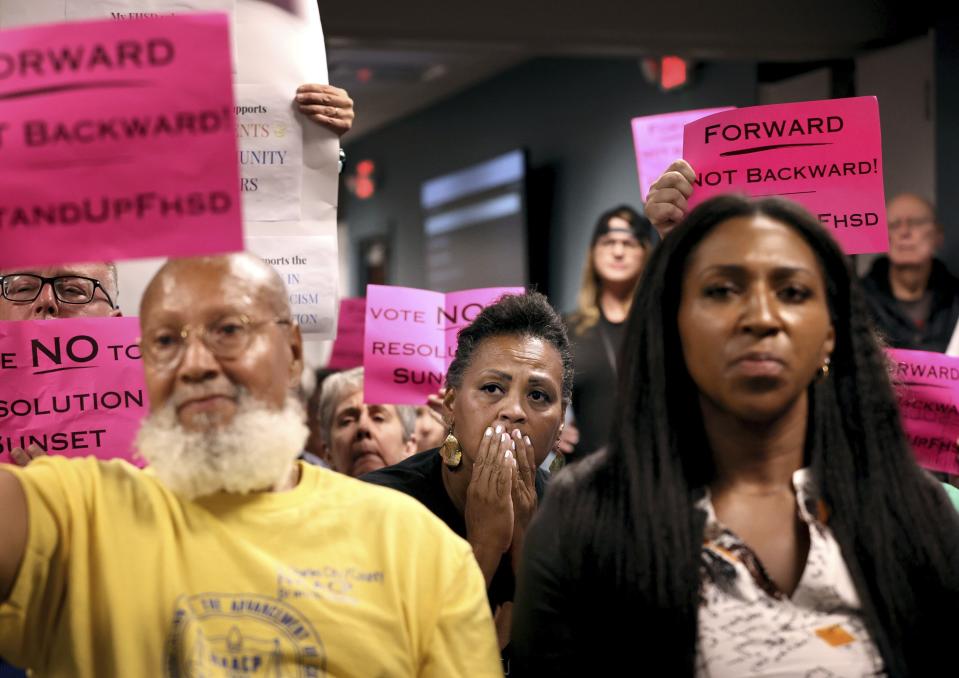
pixel 47 292
pixel 70 291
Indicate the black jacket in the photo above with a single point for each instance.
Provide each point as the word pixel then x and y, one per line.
pixel 898 329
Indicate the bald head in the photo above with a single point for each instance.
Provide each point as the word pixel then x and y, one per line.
pixel 241 270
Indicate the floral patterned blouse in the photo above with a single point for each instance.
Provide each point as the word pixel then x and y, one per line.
pixel 748 628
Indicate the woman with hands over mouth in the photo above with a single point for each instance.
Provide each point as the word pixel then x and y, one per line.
pixel 506 396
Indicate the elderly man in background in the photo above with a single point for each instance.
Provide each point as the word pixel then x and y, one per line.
pixel 357 437
pixel 230 557
pixel 71 291
pixel 44 293
pixel 914 298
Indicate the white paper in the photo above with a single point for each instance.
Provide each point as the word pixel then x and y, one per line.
pixel 300 262
pixel 276 50
pixel 15 13
pixel 136 9
pixel 270 142
pixel 953 348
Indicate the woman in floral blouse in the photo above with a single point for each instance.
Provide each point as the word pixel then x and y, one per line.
pixel 758 511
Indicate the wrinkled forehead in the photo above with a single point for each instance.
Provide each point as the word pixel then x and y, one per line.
pixel 200 290
pixel 96 271
pixel 354 401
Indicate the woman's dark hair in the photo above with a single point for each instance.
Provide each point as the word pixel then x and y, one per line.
pixel 635 538
pixel 522 315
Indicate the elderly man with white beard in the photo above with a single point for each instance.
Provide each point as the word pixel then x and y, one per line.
pixel 227 556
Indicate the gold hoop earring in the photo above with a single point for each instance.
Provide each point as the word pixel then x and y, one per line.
pixel 450 451
pixel 824 370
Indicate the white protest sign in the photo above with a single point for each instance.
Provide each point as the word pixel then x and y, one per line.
pixel 284 49
pixel 308 287
pixel 277 47
pixel 270 142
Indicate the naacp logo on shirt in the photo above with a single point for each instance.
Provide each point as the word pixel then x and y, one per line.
pixel 226 635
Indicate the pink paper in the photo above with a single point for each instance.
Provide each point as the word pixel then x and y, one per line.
pixel 825 155
pixel 350 326
pixel 117 141
pixel 928 388
pixel 74 387
pixel 658 140
pixel 410 338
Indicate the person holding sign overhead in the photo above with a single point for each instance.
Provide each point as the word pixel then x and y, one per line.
pixel 507 391
pixel 758 511
pixel 666 201
pixel 326 105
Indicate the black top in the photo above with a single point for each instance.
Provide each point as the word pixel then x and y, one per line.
pixel 892 318
pixel 595 353
pixel 420 476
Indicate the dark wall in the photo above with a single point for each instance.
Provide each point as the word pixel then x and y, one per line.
pixel 573 117
pixel 946 57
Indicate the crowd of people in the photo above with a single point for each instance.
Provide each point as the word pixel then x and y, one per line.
pixel 739 497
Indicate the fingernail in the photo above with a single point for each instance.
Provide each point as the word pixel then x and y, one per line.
pixel 488 432
pixel 512 445
pixel 499 429
pixel 504 438
pixel 508 454
pixel 517 434
pixel 527 440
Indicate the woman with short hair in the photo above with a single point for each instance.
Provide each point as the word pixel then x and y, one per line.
pixel 506 395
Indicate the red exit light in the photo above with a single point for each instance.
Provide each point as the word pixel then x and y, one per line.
pixel 673 73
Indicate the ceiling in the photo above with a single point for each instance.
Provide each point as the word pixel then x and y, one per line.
pixel 398 57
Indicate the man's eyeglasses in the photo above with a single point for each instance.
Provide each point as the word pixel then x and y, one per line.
pixel 225 338
pixel 68 289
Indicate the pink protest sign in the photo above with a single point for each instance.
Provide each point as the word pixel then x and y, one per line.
pixel 825 155
pixel 927 385
pixel 117 141
pixel 658 140
pixel 410 338
pixel 73 387
pixel 350 326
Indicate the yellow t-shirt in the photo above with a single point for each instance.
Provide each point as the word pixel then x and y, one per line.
pixel 336 577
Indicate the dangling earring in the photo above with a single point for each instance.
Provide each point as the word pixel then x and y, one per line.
pixel 450 451
pixel 559 459
pixel 824 370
